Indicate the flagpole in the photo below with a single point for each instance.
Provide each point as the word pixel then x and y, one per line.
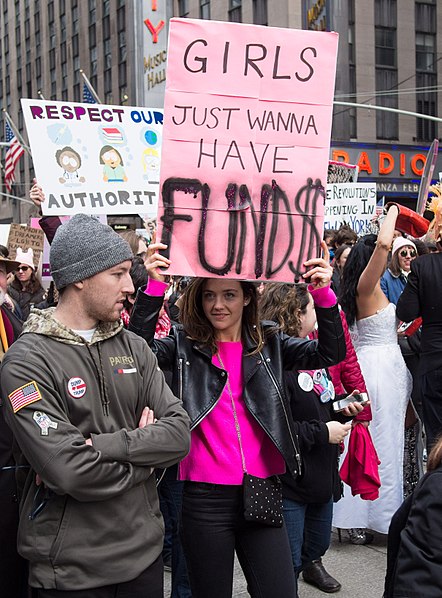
pixel 16 132
pixel 40 94
pixel 15 197
pixel 91 89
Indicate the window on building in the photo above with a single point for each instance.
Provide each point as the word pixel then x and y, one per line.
pixel 92 11
pixel 385 13
pixel 425 52
pixel 352 114
pixel 106 27
pixel 63 28
pixel 122 74
pixel 260 16
pixel 385 51
pixel 50 12
pixel 122 48
pixel 204 9
pixel 74 20
pixel 387 123
pixel 75 46
pixel 235 11
pixel 94 62
pixel 426 103
pixel 107 81
pixel 183 8
pixel 121 19
pixel 107 54
pixel 63 55
pixel 426 69
pixel 92 36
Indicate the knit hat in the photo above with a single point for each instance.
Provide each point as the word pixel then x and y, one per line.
pixel 400 242
pixel 83 247
pixel 25 257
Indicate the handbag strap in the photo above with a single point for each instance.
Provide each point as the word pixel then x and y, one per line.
pixel 235 415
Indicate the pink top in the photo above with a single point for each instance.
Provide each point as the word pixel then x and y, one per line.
pixel 214 455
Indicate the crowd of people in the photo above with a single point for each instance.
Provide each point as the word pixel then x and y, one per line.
pixel 251 418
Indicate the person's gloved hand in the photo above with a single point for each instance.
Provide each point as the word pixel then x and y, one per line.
pixel 409 221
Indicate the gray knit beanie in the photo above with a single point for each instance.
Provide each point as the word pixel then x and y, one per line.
pixel 83 247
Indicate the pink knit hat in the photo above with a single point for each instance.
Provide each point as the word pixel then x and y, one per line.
pixel 400 242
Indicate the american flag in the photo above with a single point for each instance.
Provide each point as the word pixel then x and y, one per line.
pixel 88 98
pixel 13 153
pixel 380 206
pixel 25 395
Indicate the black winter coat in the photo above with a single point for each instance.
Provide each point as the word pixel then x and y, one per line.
pixel 414 564
pixel 199 383
pixel 421 297
pixel 319 480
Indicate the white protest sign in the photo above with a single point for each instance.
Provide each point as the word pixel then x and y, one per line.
pixel 94 158
pixel 352 203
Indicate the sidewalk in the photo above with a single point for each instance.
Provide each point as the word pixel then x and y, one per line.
pixel 360 570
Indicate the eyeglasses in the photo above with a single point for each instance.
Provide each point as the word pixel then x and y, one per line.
pixel 22 269
pixel 407 252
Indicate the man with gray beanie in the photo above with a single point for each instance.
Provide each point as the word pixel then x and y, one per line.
pixel 93 416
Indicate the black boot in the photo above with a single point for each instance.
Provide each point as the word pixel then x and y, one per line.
pixel 316 575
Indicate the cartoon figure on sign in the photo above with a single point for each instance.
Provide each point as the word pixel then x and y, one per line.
pixel 151 163
pixel 113 171
pixel 70 161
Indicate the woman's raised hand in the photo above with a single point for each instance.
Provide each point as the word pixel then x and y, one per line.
pixel 36 194
pixel 154 261
pixel 319 270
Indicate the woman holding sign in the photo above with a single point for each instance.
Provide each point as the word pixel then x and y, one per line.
pixel 227 368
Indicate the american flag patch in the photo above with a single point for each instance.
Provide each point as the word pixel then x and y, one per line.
pixel 25 395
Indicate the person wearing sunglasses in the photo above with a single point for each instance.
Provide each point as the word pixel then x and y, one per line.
pixel 394 278
pixel 26 289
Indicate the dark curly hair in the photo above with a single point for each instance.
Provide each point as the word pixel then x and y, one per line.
pixel 354 266
pixel 283 303
pixel 198 327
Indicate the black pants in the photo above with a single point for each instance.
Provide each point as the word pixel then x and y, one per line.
pixel 214 528
pixel 147 585
pixel 431 388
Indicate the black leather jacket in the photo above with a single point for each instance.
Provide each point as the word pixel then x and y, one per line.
pixel 199 383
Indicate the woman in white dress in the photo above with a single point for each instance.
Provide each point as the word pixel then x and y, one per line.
pixel 373 326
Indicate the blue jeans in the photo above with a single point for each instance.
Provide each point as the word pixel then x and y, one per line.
pixel 214 528
pixel 170 491
pixel 309 531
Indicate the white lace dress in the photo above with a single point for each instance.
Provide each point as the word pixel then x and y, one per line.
pixel 389 387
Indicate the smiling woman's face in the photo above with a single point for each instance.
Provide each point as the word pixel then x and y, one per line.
pixel 223 303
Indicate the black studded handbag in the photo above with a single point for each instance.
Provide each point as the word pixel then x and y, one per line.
pixel 262 497
pixel 263 500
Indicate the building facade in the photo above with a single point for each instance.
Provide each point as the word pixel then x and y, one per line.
pixel 390 54
pixel 44 45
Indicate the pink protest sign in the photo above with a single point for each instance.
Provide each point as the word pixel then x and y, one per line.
pixel 247 124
